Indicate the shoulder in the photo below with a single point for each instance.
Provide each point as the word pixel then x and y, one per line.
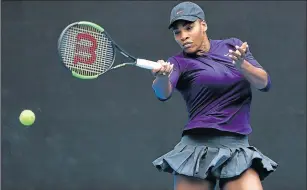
pixel 228 41
pixel 178 59
pixel 176 56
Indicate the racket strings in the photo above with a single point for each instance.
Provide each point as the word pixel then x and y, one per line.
pixel 98 61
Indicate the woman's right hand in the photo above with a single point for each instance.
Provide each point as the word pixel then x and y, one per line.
pixel 165 70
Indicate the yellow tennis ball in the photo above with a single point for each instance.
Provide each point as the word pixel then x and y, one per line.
pixel 27 117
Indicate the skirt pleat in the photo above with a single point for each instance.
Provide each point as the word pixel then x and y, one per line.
pixel 221 159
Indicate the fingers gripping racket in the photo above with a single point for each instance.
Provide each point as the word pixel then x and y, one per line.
pixel 88 51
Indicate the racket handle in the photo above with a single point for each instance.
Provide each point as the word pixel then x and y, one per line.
pixel 146 64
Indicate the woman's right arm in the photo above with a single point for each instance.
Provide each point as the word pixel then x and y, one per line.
pixel 162 87
pixel 166 77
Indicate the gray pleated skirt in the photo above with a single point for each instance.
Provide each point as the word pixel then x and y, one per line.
pixel 218 156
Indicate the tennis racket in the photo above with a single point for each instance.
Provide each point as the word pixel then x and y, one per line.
pixel 88 51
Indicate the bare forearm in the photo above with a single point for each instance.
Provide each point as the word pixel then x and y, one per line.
pixel 256 76
pixel 162 87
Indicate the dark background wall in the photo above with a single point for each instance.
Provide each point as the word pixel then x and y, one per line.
pixel 104 133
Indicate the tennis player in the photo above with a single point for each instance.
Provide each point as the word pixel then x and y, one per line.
pixel 215 78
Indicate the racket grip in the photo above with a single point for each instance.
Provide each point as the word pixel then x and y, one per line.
pixel 146 64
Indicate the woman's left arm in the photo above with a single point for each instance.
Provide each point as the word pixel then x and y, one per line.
pixel 257 76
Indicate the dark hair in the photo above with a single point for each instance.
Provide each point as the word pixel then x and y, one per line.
pixel 184 21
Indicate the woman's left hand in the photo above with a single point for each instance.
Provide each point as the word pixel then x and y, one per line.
pixel 238 56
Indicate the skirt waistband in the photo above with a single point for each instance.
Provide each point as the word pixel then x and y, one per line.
pixel 215 140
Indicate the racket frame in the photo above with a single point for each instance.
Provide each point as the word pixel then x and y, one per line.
pixel 115 47
pixel 135 61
